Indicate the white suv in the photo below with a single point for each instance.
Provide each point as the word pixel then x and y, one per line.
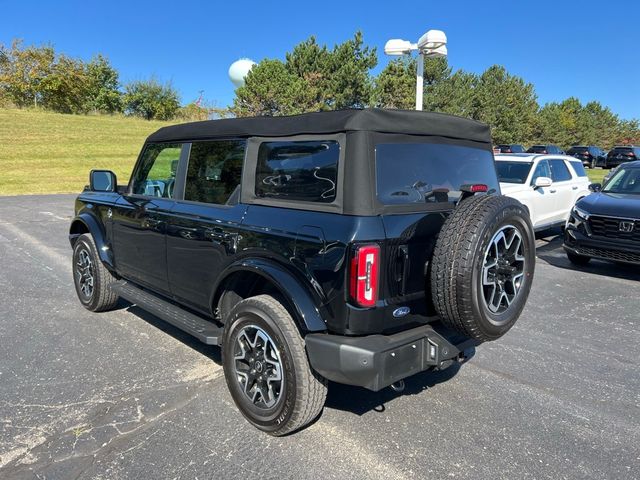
pixel 548 185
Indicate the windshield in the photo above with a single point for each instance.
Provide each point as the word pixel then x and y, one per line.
pixel 513 172
pixel 409 173
pixel 625 180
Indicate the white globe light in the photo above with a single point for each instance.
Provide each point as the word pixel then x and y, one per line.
pixel 239 70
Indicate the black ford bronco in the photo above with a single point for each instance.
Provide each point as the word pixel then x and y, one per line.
pixel 358 246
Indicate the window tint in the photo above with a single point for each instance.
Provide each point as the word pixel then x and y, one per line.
pixel 215 170
pixel 299 170
pixel 156 173
pixel 579 169
pixel 542 170
pixel 430 173
pixel 559 170
pixel 513 172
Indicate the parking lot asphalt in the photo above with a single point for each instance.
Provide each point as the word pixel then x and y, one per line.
pixel 123 395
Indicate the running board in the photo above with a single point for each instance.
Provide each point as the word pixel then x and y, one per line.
pixel 204 330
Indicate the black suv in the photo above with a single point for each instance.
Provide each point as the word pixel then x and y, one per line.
pixel 358 246
pixel 590 156
pixel 544 149
pixel 621 154
pixel 606 224
pixel 512 148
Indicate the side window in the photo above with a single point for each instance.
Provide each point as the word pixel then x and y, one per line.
pixel 156 172
pixel 542 170
pixel 559 170
pixel 215 171
pixel 579 169
pixel 298 170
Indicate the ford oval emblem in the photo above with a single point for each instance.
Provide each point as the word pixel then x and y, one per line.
pixel 401 312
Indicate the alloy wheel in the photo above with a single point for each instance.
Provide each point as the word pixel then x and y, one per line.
pixel 503 269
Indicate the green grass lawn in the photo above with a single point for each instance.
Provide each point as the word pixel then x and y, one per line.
pixel 597 174
pixel 43 152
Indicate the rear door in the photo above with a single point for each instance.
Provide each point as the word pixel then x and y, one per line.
pixel 140 217
pixel 205 226
pixel 564 188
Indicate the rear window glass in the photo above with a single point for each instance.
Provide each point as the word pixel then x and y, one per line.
pixel 415 173
pixel 214 172
pixel 579 169
pixel 622 150
pixel 300 170
pixel 573 150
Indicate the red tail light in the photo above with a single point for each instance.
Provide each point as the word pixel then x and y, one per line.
pixel 364 274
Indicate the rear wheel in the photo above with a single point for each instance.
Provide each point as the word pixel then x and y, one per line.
pixel 578 259
pixel 91 278
pixel 266 367
pixel 483 266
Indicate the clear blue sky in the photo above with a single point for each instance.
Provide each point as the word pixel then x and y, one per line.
pixel 588 49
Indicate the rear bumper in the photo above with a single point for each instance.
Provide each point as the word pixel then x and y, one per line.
pixel 377 361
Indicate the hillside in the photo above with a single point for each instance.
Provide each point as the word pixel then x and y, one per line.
pixel 43 152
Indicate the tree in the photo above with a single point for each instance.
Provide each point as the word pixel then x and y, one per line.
pixel 103 88
pixel 23 70
pixel 312 78
pixel 507 103
pixel 64 89
pixel 151 100
pixel 395 86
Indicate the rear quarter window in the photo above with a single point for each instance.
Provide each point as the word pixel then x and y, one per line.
pixel 298 170
pixel 579 169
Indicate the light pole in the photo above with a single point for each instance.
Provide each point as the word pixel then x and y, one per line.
pixel 432 44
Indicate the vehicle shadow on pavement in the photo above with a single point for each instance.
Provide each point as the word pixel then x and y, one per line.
pixel 210 351
pixel 550 251
pixel 360 400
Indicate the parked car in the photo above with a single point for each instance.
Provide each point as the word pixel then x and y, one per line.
pixel 547 185
pixel 513 148
pixel 606 224
pixel 544 149
pixel 591 156
pixel 311 248
pixel 621 154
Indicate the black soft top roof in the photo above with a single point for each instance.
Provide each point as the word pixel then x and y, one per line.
pixel 374 120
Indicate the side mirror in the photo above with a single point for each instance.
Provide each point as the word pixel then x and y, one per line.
pixel 542 182
pixel 102 181
pixel 595 187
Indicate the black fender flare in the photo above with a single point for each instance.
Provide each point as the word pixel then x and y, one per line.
pixel 97 232
pixel 307 312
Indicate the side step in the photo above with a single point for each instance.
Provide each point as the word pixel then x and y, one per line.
pixel 204 330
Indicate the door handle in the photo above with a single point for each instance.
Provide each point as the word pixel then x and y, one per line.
pixel 228 239
pixel 574 187
pixel 552 191
pixel 151 223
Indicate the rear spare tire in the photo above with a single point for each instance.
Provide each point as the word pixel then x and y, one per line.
pixel 483 265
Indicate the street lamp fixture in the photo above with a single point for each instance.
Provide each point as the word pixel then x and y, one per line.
pixel 432 44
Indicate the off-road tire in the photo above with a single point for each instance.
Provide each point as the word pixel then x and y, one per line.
pixel 304 391
pixel 458 262
pixel 102 297
pixel 579 260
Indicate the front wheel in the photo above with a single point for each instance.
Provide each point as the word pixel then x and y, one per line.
pixel 266 367
pixel 91 278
